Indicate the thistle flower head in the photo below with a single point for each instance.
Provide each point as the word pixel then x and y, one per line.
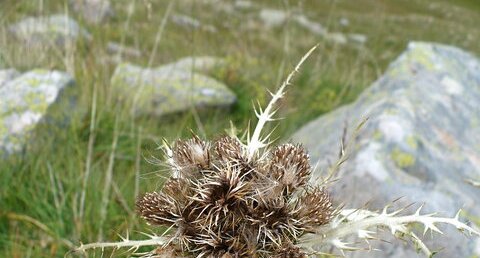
pixel 226 205
pixel 190 156
pixel 229 149
pixel 314 208
pixel 289 166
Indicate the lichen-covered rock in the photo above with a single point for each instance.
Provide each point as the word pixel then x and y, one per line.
pixel 186 21
pixel 24 102
pixel 191 23
pixel 336 38
pixel 56 30
pixel 273 18
pixel 243 4
pixel 357 38
pixel 170 88
pixel 314 27
pixel 199 63
pixel 93 11
pixel 422 142
pixel 7 75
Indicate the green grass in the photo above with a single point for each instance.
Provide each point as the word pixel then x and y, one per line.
pixel 39 190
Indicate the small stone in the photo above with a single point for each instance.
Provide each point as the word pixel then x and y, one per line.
pixel 334 37
pixel 243 4
pixel 337 38
pixel 314 27
pixel 25 101
pixel 199 64
pixel 273 18
pixel 356 38
pixel 173 87
pixel 7 75
pixel 344 22
pixel 185 21
pixel 93 11
pixel 47 31
pixel 190 22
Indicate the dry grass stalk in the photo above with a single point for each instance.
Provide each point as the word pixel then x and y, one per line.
pixel 88 161
pixel 108 181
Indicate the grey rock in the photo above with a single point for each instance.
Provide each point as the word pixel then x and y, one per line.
pixel 209 2
pixel 93 11
pixel 219 6
pixel 344 21
pixel 336 37
pixel 184 20
pixel 24 102
pixel 276 18
pixel 47 31
pixel 243 4
pixel 273 18
pixel 317 29
pixel 7 75
pixel 314 27
pixel 192 23
pixel 357 38
pixel 422 142
pixel 171 88
pixel 199 64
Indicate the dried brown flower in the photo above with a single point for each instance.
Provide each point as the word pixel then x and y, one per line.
pixel 313 209
pixel 229 149
pixel 191 155
pixel 225 205
pixel 290 166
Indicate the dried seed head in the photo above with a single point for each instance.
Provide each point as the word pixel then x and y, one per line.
pixel 228 149
pixel 290 166
pixel 156 208
pixel 225 188
pixel 272 220
pixel 166 207
pixel 314 208
pixel 229 152
pixel 191 155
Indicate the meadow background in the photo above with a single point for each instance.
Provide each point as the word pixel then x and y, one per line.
pixel 40 188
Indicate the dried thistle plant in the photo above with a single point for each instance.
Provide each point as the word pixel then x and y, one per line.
pixel 222 204
pixel 226 198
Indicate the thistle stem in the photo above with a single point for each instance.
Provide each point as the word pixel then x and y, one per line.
pixel 125 243
pixel 266 115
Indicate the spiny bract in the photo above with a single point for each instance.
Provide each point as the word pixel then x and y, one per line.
pixel 220 203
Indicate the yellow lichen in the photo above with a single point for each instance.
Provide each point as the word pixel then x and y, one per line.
pixel 377 135
pixel 402 159
pixel 412 142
